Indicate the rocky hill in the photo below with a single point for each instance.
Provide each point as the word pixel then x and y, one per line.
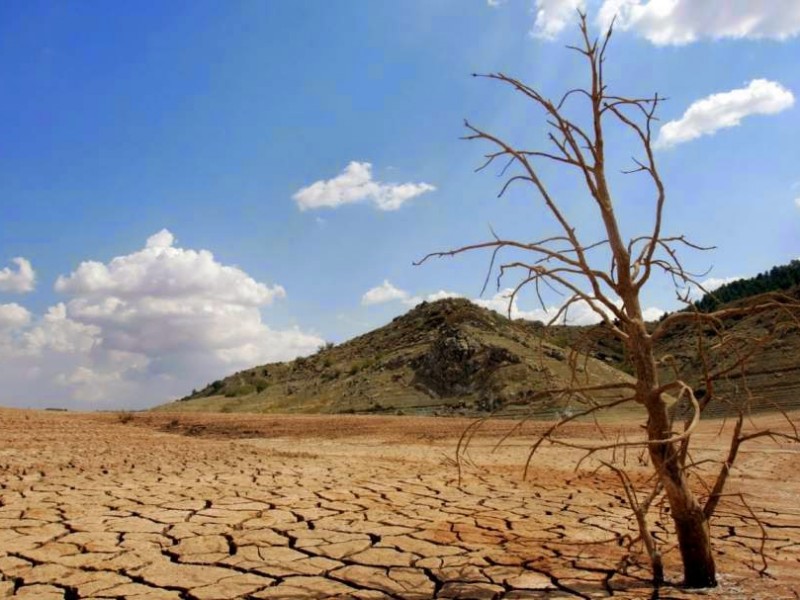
pixel 453 357
pixel 444 357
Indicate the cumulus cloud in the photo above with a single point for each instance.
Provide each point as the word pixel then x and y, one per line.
pixel 150 325
pixel 13 316
pixel 677 22
pixel 162 239
pixel 726 109
pixel 19 280
pixel 355 184
pixel 35 353
pixel 552 16
pixel 57 332
pixel 23 336
pixel 94 385
pixel 162 273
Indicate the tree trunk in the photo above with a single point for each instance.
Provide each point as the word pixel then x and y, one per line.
pixel 691 524
pixel 694 540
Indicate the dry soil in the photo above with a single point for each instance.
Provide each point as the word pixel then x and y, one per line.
pixel 159 506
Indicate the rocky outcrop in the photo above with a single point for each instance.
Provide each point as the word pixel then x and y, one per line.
pixel 457 364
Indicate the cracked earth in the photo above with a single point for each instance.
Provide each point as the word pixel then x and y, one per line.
pixel 206 507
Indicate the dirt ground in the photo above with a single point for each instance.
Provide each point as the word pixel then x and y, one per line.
pixel 160 506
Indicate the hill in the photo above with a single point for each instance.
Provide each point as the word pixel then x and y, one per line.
pixel 444 357
pixel 769 379
pixel 453 357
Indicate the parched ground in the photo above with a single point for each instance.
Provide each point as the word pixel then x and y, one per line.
pixel 242 506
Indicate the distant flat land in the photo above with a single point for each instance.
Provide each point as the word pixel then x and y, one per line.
pixel 200 506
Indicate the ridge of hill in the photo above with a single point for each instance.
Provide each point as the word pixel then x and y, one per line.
pixel 445 357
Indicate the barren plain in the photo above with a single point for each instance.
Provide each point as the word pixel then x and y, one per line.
pixel 198 506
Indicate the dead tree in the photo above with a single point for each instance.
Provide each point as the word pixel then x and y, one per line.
pixel 608 276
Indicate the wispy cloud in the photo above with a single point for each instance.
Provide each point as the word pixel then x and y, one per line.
pixel 677 22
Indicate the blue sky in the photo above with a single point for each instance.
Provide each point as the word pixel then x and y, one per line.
pixel 287 162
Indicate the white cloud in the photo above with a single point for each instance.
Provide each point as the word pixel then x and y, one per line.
pixel 22 336
pixel 726 109
pixel 652 313
pixel 13 316
pixel 441 295
pixel 712 283
pixel 57 332
pixel 161 272
pixel 20 280
pixel 552 16
pixel 678 22
pixel 709 285
pixel 385 292
pixel 36 354
pixel 147 326
pixel 579 313
pixel 162 239
pixel 797 202
pixel 355 184
pixel 494 3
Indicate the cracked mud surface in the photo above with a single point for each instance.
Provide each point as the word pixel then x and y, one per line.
pixel 347 507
